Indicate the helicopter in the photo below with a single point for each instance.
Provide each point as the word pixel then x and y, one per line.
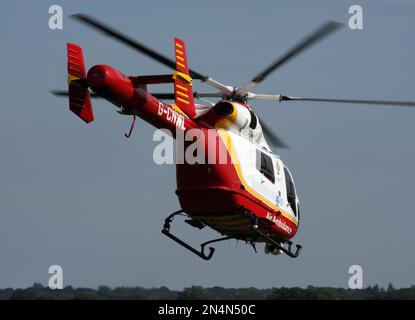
pixel 254 201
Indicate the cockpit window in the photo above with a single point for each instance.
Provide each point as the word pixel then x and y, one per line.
pixel 264 165
pixel 290 191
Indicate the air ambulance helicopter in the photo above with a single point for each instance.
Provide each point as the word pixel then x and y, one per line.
pixel 253 201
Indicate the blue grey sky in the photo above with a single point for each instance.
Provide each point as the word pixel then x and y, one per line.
pixel 88 199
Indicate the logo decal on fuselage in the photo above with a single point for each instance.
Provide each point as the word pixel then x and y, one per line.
pixel 279 201
pixel 280 223
pixel 171 115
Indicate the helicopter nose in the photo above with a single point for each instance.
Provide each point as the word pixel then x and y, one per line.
pixel 100 76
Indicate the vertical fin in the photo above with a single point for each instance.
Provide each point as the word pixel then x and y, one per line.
pixel 182 81
pixel 79 96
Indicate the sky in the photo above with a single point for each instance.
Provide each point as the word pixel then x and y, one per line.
pixel 86 198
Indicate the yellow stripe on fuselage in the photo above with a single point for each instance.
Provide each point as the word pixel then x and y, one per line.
pixel 229 146
pixel 228 121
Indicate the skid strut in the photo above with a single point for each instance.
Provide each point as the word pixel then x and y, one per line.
pixel 287 250
pixel 201 253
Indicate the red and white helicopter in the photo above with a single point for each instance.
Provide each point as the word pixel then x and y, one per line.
pixel 254 201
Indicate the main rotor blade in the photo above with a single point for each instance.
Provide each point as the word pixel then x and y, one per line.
pixel 171 96
pixel 220 86
pixel 60 93
pixel 94 23
pixel 313 38
pixel 65 93
pixel 353 101
pixel 208 94
pixel 271 137
pixel 158 95
pixel 256 96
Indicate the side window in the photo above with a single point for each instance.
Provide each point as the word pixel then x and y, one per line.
pixel 290 191
pixel 264 165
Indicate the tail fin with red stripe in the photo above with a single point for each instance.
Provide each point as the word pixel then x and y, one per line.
pixel 182 81
pixel 79 96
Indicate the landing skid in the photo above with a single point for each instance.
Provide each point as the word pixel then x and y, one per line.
pixel 279 245
pixel 282 245
pixel 201 253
